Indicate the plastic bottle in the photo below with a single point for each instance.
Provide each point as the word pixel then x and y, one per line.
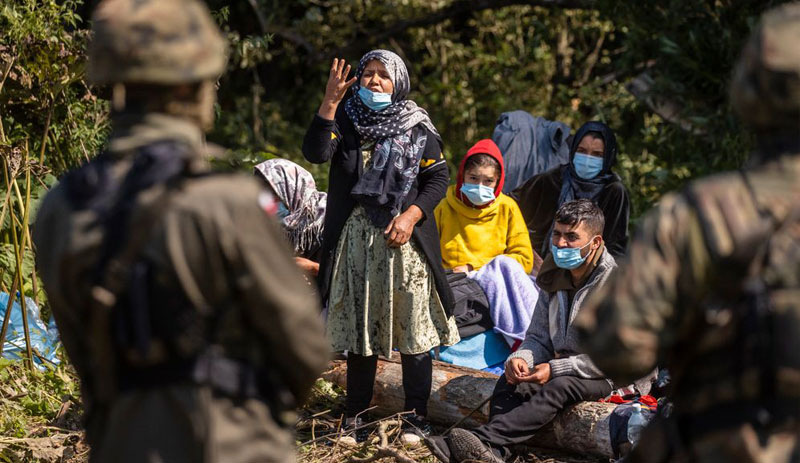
pixel 636 423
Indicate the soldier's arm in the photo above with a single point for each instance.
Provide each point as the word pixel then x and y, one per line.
pixel 279 301
pixel 630 322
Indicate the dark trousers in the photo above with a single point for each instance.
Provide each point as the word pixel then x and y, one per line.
pixel 417 377
pixel 517 412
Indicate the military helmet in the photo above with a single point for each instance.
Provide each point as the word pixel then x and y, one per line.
pixel 765 90
pixel 164 42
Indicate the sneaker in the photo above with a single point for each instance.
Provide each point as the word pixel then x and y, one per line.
pixel 465 446
pixel 415 428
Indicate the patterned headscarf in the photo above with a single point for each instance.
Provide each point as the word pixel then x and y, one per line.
pixel 295 187
pixel 397 118
pixel 382 188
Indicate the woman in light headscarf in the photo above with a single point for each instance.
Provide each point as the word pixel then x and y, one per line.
pixel 301 209
pixel 381 267
pixel 588 175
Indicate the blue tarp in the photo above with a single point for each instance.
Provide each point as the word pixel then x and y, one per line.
pixel 479 351
pixel 44 337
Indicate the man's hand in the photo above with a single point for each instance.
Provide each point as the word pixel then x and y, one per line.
pixel 308 266
pixel 517 371
pixel 541 373
pixel 400 228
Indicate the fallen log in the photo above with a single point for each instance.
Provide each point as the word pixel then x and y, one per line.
pixel 457 391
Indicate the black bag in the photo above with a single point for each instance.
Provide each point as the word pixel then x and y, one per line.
pixel 471 307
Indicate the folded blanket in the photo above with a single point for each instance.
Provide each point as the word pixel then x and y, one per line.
pixel 512 295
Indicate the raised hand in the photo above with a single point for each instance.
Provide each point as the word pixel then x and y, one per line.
pixel 335 89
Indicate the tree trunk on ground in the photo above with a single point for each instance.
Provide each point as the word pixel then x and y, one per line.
pixel 581 428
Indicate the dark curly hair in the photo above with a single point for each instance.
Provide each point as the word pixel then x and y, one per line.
pixel 582 210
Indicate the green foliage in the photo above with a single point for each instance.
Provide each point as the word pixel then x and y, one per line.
pixel 469 66
pixel 50 120
pixel 32 398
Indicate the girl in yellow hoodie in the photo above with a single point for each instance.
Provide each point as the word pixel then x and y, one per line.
pixel 476 221
pixel 482 232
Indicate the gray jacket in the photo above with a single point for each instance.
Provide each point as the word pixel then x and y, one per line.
pixel 551 337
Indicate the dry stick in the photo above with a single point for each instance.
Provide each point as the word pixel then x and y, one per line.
pixel 2 83
pixel 469 414
pixel 384 450
pixel 34 280
pixel 7 318
pixel 366 425
pixel 46 130
pixel 15 281
pixel 19 248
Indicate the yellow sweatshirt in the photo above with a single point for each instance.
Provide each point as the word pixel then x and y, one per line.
pixel 476 236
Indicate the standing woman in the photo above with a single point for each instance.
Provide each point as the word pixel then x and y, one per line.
pixel 381 265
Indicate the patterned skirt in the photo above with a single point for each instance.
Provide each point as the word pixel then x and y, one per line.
pixel 383 298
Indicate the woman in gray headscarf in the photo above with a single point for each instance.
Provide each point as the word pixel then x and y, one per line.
pixel 381 266
pixel 301 209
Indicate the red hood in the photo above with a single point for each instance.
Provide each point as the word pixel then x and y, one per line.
pixel 488 147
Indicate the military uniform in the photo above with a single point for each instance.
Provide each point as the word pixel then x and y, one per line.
pixel 711 289
pixel 176 295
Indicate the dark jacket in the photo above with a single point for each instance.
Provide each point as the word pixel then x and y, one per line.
pixel 337 141
pixel 538 201
pixel 540 197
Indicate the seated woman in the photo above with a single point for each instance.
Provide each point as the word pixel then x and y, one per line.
pixel 301 209
pixel 587 176
pixel 482 230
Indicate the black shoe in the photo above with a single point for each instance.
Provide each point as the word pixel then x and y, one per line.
pixel 438 448
pixel 465 446
pixel 354 431
pixel 415 428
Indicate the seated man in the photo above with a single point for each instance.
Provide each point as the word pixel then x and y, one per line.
pixel 547 373
pixel 482 230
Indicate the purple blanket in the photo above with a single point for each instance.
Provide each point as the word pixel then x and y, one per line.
pixel 512 295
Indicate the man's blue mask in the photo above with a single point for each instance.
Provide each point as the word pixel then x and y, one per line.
pixel 587 167
pixel 374 100
pixel 569 258
pixel 478 194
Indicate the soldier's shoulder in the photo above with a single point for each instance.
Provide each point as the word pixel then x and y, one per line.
pixel 205 193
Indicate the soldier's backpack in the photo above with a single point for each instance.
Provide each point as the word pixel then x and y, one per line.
pixel 745 364
pixel 134 320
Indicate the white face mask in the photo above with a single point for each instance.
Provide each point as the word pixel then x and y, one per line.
pixel 478 194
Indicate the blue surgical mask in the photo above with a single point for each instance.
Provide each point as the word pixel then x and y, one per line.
pixel 283 211
pixel 478 194
pixel 587 167
pixel 374 101
pixel 569 258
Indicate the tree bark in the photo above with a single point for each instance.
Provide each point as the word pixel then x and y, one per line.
pixel 457 391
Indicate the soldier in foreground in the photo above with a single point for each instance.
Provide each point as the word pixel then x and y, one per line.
pixel 712 285
pixel 176 296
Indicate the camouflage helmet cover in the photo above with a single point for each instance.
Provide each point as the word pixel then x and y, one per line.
pixel 165 42
pixel 765 90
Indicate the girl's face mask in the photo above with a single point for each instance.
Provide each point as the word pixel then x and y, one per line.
pixel 478 194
